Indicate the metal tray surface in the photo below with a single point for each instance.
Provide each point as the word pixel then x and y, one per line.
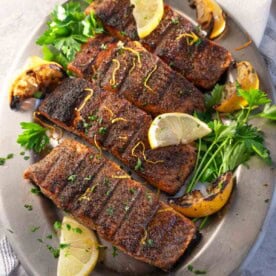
pixel 226 241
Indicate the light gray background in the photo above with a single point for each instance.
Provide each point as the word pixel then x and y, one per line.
pixel 18 19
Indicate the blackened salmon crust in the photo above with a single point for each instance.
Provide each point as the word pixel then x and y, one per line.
pixel 202 63
pixel 121 210
pixel 114 124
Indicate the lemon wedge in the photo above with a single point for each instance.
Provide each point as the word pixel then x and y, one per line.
pixel 209 11
pixel 248 79
pixel 148 15
pixel 247 76
pixel 80 253
pixel 175 128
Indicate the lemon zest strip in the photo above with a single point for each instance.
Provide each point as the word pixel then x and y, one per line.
pixel 113 78
pixel 119 119
pixel 148 77
pixel 193 38
pixel 143 153
pixel 135 53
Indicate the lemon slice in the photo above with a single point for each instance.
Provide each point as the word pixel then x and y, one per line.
pixel 80 254
pixel 147 14
pixel 175 128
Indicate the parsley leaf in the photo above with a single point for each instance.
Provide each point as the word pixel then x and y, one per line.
pixel 269 112
pixel 214 97
pixel 68 28
pixel 254 97
pixel 33 137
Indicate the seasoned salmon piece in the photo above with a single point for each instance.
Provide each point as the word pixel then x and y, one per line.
pixel 202 61
pixel 139 76
pixel 114 124
pixel 121 210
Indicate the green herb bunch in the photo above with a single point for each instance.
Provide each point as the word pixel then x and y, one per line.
pixel 233 139
pixel 69 27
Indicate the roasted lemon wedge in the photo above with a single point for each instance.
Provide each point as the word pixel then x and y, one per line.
pixel 211 17
pixel 176 128
pixel 39 75
pixel 148 15
pixel 248 79
pixel 196 205
pixel 80 253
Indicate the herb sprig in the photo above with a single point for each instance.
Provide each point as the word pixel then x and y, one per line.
pixel 68 28
pixel 33 137
pixel 233 140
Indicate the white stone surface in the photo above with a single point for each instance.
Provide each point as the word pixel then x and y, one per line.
pixel 18 19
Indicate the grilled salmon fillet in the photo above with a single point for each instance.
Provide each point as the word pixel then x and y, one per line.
pixel 121 210
pixel 202 62
pixel 109 122
pixel 139 76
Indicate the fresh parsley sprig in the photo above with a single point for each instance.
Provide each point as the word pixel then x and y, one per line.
pixel 233 142
pixel 68 28
pixel 33 137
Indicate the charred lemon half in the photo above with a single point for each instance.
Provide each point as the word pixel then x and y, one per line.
pixel 211 17
pixel 195 205
pixel 247 79
pixel 39 76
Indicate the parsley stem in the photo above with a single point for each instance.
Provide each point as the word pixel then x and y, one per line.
pixel 193 180
pixel 202 170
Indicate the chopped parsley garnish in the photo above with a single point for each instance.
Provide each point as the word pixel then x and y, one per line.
pixel 102 130
pixel 68 227
pixel 87 178
pixel 29 207
pixel 64 245
pixel 175 21
pixel 72 177
pixel 26 158
pixel 38 95
pixel 4 159
pixel 114 251
pixel 35 228
pixel 106 181
pixel 49 237
pixel 69 27
pixel 110 211
pixel 10 156
pixel 54 251
pixel 77 230
pixel 123 33
pixel 33 137
pixel 22 153
pixel 93 118
pixel 149 197
pixel 132 190
pixel 138 166
pixel 196 271
pixel 57 225
pixel 35 191
pixel 149 242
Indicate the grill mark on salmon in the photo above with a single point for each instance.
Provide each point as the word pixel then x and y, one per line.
pixel 139 76
pixel 106 120
pixel 123 227
pixel 202 63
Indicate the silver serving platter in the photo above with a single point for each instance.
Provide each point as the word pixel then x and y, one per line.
pixel 226 241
